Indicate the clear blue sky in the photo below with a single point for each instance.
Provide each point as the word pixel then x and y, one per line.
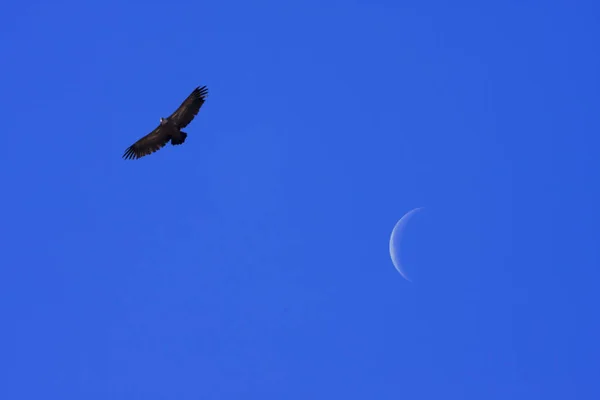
pixel 252 262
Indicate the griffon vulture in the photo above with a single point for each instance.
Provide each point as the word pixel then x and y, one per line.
pixel 169 128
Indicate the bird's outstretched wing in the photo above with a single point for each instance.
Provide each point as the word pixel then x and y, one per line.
pixel 150 143
pixel 189 108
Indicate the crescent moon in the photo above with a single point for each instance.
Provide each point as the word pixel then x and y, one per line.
pixel 397 234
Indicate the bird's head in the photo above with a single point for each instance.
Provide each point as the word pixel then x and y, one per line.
pixel 163 120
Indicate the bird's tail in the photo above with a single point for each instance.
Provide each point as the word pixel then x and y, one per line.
pixel 178 140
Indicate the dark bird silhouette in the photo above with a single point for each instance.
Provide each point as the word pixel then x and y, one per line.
pixel 169 128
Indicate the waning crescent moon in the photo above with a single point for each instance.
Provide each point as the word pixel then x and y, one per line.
pixel 396 235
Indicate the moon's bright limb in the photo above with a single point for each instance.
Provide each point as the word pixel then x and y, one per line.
pixel 395 238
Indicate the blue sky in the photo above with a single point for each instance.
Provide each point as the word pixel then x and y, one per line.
pixel 252 262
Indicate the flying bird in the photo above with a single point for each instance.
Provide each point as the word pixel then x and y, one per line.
pixel 169 128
